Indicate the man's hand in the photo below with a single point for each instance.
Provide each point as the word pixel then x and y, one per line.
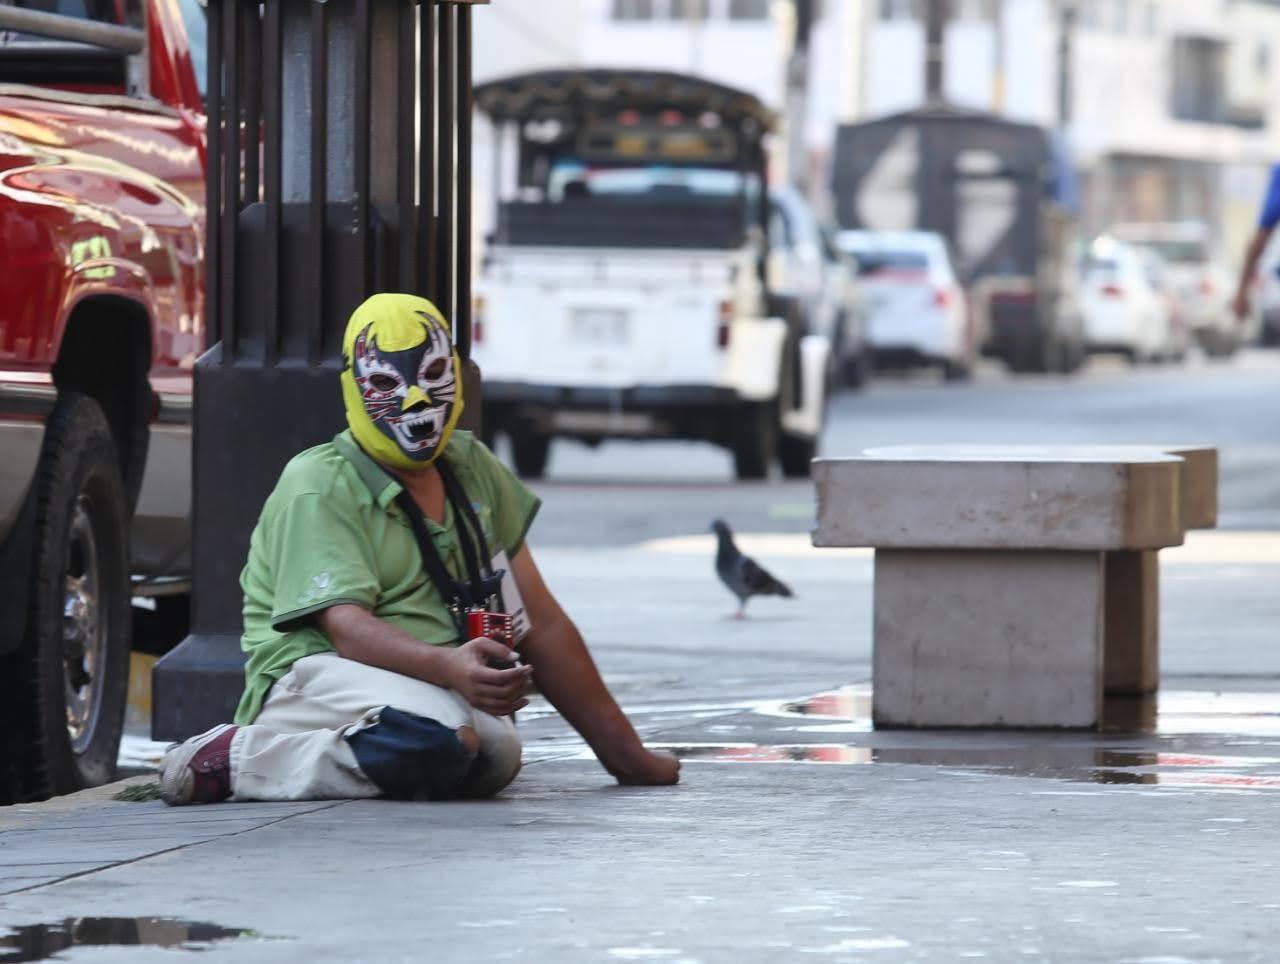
pixel 498 692
pixel 1240 305
pixel 651 768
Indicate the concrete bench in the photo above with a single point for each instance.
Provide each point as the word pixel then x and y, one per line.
pixel 1013 585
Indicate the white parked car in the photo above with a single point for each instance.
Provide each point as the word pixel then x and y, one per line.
pixel 917 312
pixel 1201 284
pixel 1124 308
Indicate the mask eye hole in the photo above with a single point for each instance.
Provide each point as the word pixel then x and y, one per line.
pixel 436 369
pixel 383 383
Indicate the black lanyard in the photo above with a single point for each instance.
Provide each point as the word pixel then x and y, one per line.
pixel 482 583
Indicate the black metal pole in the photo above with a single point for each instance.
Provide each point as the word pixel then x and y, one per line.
pixel 324 92
pixel 935 30
pixel 363 138
pixel 446 152
pixel 462 296
pixel 230 198
pixel 273 145
pixel 427 140
pixel 318 188
pixel 797 97
pixel 407 276
pixel 1066 37
pixel 213 184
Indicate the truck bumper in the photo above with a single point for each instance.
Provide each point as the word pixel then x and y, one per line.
pixel 592 412
pixel 632 398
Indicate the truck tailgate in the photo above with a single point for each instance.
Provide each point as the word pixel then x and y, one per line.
pixel 604 318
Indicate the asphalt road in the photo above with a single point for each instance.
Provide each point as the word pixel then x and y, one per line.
pixel 627 492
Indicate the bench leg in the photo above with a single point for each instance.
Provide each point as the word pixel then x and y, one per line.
pixel 1131 634
pixel 987 638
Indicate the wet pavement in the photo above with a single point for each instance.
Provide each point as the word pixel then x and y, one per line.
pixel 40 942
pixel 798 832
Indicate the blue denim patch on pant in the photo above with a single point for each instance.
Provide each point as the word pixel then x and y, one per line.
pixel 409 756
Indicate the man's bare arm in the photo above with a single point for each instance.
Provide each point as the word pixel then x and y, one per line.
pixel 566 674
pixel 359 635
pixel 1257 245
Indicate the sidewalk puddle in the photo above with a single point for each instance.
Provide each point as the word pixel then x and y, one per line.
pixel 39 942
pixel 1080 764
pixel 1174 712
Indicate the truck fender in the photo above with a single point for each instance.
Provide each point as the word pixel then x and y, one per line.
pixel 806 419
pixel 753 363
pixel 126 283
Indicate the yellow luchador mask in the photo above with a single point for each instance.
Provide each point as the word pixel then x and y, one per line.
pixel 401 380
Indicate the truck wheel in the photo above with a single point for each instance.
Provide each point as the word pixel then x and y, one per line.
pixel 957 369
pixel 1073 357
pixel 529 450
pixel 755 439
pixel 68 680
pixel 794 454
pixel 856 370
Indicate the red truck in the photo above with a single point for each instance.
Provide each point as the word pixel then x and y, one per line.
pixel 102 215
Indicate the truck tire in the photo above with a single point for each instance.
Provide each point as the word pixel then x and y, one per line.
pixel 957 369
pixel 529 451
pixel 1043 356
pixel 794 455
pixel 66 685
pixel 754 439
pixel 855 371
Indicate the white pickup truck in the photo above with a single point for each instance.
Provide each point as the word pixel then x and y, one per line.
pixel 623 293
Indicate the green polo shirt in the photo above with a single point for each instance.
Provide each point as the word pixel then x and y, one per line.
pixel 331 532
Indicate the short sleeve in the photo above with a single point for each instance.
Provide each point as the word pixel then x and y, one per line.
pixel 512 504
pixel 320 556
pixel 1270 215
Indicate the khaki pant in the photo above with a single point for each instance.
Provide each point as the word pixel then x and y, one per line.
pixel 298 748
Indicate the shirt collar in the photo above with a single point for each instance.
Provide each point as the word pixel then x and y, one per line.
pixel 382 486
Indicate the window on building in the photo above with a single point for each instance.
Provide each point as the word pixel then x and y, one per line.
pixel 1199 80
pixel 975 9
pixel 749 9
pixel 900 9
pixel 1152 18
pixel 1120 16
pixel 689 9
pixel 632 9
pixel 1096 14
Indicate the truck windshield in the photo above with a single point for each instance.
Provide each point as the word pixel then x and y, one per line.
pixel 195 18
pixel 573 179
pixel 1178 251
pixel 890 262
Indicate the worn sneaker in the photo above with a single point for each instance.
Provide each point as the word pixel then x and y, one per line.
pixel 199 770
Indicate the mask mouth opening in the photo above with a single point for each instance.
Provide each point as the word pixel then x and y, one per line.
pixel 418 429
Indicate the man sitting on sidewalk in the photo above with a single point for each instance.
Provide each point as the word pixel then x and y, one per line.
pixel 362 678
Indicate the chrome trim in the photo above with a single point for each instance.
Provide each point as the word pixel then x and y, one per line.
pixel 25 399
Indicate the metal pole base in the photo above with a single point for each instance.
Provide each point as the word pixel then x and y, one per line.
pixel 196 686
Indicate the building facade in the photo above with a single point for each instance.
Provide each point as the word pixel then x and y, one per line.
pixel 1167 104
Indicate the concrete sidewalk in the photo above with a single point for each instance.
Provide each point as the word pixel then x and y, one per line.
pixel 796 832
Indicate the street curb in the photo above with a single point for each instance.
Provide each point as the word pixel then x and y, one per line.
pixel 18 815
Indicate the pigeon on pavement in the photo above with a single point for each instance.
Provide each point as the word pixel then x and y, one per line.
pixel 742 574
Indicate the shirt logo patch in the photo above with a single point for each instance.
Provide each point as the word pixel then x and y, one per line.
pixel 320 584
